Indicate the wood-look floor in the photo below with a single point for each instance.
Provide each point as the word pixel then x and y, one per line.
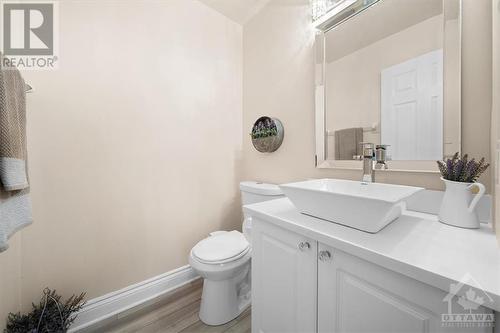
pixel 175 313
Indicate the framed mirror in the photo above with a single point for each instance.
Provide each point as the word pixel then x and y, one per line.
pixel 388 73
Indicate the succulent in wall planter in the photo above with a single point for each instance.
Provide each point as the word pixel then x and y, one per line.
pixel 49 315
pixel 460 175
pixel 267 134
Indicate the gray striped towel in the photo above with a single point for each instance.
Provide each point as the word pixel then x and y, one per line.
pixel 15 203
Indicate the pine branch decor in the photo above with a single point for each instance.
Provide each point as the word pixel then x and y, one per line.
pixel 50 315
pixel 461 169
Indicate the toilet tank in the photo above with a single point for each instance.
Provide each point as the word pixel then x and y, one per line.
pixel 254 192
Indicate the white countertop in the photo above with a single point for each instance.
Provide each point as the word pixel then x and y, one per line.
pixel 416 245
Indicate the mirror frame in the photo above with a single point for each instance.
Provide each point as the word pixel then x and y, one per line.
pixel 320 102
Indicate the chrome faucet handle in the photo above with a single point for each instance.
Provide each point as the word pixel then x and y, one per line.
pixel 367 149
pixel 381 157
pixel 381 153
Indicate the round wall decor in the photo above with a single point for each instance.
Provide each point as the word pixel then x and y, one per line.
pixel 267 134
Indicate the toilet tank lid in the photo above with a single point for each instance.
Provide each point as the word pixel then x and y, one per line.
pixel 260 188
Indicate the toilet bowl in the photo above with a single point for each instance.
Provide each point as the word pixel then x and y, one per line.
pixel 223 260
pixel 226 285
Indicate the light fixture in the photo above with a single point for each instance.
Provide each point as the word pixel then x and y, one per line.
pixel 328 13
pixel 321 7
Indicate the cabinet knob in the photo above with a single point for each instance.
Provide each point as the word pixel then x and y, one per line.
pixel 304 246
pixel 324 255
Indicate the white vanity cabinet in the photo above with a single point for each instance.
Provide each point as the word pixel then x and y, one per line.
pixel 301 285
pixel 355 295
pixel 284 268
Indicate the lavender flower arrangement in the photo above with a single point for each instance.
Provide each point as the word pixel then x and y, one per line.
pixel 461 169
pixel 263 128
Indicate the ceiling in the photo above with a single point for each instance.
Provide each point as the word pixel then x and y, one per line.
pixel 239 11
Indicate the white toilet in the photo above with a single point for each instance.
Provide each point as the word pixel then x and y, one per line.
pixel 223 260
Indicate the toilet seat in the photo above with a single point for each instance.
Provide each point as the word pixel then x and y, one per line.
pixel 221 248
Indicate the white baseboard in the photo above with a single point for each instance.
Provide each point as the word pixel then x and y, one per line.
pixel 102 308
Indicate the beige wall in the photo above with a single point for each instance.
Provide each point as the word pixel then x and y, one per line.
pixel 278 72
pixel 135 147
pixel 476 80
pixel 10 279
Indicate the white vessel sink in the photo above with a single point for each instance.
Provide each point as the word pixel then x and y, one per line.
pixel 365 206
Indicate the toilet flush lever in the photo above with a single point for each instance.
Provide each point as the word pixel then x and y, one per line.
pixel 304 246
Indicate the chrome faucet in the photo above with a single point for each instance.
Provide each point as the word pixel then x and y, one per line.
pixel 368 170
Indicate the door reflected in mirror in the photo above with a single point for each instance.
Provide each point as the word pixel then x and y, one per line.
pixel 391 75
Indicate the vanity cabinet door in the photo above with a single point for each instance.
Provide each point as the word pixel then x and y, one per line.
pixel 357 296
pixel 284 277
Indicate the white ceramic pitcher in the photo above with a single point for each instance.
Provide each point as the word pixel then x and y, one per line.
pixel 459 205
